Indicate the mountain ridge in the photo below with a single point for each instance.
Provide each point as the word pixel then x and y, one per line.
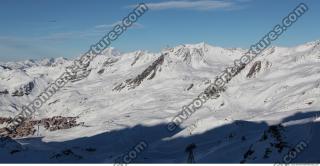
pixel 129 97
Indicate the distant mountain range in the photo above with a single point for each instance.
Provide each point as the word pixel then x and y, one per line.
pixel 266 110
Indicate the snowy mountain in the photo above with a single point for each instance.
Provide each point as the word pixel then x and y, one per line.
pixel 265 112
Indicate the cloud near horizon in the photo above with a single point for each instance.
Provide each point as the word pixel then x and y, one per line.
pixel 200 5
pixel 108 26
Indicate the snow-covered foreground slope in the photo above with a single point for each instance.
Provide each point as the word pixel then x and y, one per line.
pixel 265 112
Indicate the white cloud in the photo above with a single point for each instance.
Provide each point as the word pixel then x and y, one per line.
pixel 193 5
pixel 108 26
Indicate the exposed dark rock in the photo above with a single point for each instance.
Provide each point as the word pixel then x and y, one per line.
pixel 275 131
pixel 149 71
pixel 66 153
pixel 190 86
pixel 101 71
pixel 186 54
pixel 4 92
pixel 14 106
pixel 80 72
pixel 309 103
pixel 80 75
pixel 54 102
pixel 212 91
pixel 138 56
pixel 256 67
pixel 5 67
pixel 247 154
pixel 24 90
pixel 109 62
pixel 17 93
pixel 264 137
pixel 91 149
pixel 15 151
pixel 274 136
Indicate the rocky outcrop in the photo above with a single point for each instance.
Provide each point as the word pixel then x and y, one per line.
pixel 4 92
pixel 149 71
pixel 101 71
pixel 190 87
pixel 66 153
pixel 109 62
pixel 24 90
pixel 191 56
pixel 256 67
pixel 184 53
pixel 271 142
pixel 137 57
pixel 5 67
pixel 80 73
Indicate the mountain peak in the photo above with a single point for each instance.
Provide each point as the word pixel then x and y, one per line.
pixel 111 51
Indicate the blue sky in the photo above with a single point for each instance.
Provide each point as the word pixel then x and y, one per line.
pixel 35 29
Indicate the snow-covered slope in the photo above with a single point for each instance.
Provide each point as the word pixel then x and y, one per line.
pixel 266 110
